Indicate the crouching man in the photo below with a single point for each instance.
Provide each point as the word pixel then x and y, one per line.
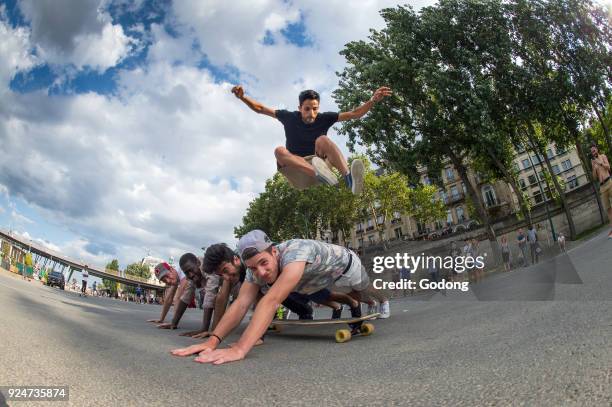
pixel 302 266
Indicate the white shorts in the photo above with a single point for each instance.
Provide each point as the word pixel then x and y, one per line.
pixel 356 278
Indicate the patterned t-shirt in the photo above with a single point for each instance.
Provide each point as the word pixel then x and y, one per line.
pixel 324 264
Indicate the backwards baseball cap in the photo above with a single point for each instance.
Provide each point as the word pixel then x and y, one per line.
pixel 253 243
pixel 162 269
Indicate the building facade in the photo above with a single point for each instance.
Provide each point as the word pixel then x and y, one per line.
pixel 499 198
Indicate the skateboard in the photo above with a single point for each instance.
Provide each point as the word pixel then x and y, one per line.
pixel 342 335
pixel 298 179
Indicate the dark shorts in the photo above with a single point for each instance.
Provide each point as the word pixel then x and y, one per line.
pixel 318 297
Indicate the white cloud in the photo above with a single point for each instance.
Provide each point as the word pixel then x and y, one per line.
pixel 20 219
pixel 79 33
pixel 15 51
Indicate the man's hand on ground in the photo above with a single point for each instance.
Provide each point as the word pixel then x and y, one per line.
pixel 195 334
pixel 218 357
pixel 157 321
pixel 167 325
pixel 202 335
pixel 193 349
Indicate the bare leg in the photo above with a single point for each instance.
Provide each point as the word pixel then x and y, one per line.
pixel 343 299
pixel 327 149
pixel 286 159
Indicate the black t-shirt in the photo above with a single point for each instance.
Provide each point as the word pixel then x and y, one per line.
pixel 300 136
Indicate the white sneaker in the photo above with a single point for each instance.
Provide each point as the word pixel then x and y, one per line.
pixel 385 310
pixel 357 173
pixel 323 173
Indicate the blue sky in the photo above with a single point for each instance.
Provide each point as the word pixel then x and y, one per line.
pixel 119 133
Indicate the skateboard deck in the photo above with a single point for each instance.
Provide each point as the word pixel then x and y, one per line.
pixel 342 335
pixel 298 179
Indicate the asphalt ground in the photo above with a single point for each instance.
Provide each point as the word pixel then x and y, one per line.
pixel 541 336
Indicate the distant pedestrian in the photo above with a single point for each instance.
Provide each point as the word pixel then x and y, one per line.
pixel 94 288
pixel 505 248
pixel 534 246
pixel 561 242
pixel 405 276
pixel 138 294
pixel 432 269
pixel 521 239
pixel 84 278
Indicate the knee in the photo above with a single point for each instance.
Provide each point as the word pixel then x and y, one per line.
pixel 322 141
pixel 280 152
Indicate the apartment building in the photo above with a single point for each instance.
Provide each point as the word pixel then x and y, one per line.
pixel 499 198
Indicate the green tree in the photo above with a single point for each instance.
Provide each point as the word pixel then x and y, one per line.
pixel 424 204
pixel 437 111
pixel 138 270
pixel 111 284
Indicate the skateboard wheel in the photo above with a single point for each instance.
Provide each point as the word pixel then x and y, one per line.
pixel 366 329
pixel 343 335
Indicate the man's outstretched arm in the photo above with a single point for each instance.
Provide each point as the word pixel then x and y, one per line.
pixel 251 103
pixel 266 308
pixel 170 292
pixel 231 319
pixel 363 109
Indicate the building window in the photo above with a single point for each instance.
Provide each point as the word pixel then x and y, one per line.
pixel 522 183
pixel 526 164
pixel 454 192
pixel 572 182
pixel 371 239
pixel 566 165
pixel 449 217
pixel 460 215
pixel 443 196
pixel 450 175
pixel 359 227
pixel 556 169
pixel 537 197
pixel 489 195
pixel 560 151
pixel 370 224
pixel 380 220
pixel 463 187
pixel 549 153
pixel 531 179
pixel 360 242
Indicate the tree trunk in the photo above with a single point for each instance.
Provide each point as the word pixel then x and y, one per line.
pixel 562 198
pixel 477 202
pixel 512 181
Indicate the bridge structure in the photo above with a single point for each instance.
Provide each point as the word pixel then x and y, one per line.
pixel 17 246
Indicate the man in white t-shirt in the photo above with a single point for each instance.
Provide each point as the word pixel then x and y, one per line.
pixel 84 278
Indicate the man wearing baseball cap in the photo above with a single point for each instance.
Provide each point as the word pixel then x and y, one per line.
pixel 179 289
pixel 303 266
